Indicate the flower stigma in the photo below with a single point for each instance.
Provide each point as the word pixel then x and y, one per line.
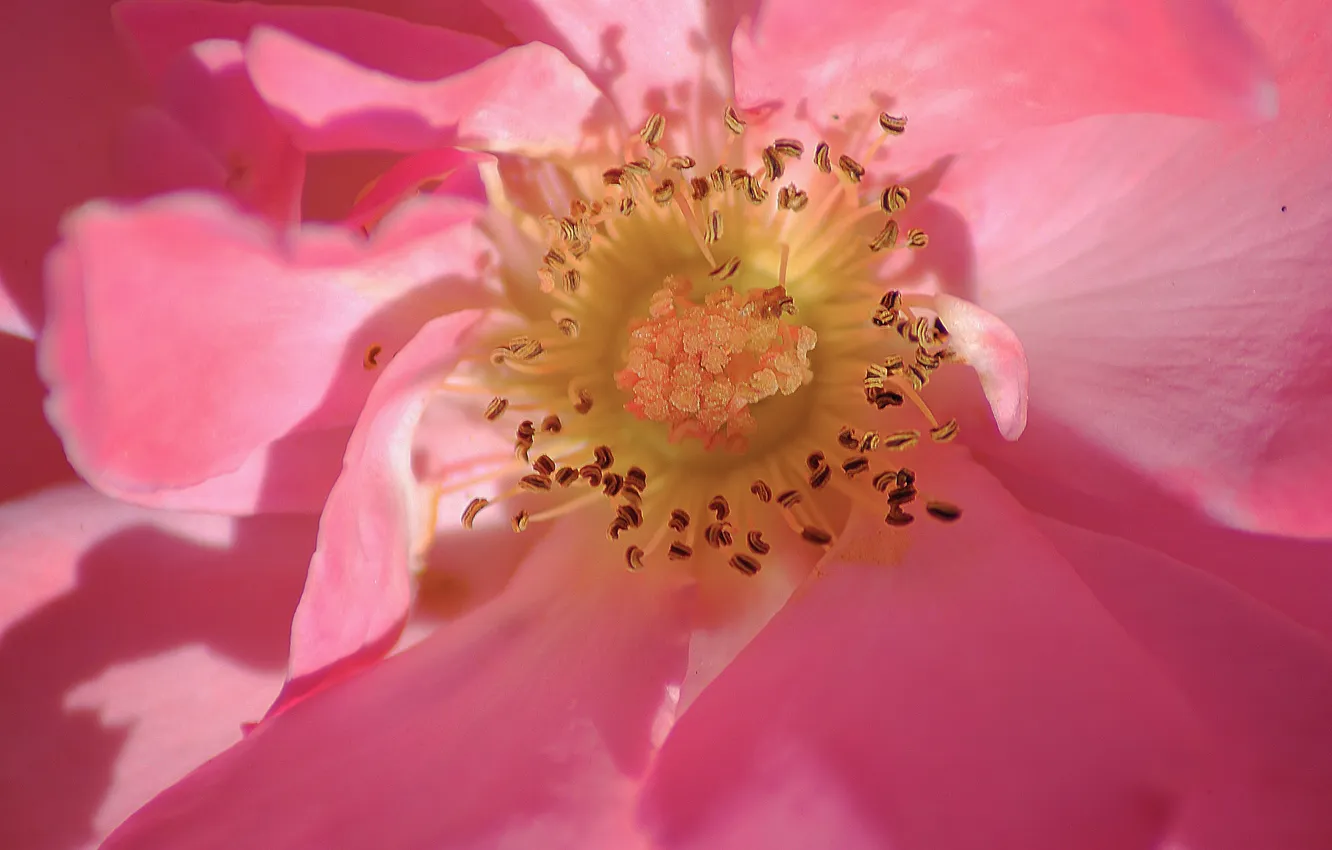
pixel 702 349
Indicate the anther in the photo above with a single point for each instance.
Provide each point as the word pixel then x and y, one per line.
pixel 631 515
pixel 905 477
pixel 814 461
pixel 757 544
pixel 894 198
pixel 789 147
pixel 734 122
pixel 886 239
pixel 591 473
pixel 892 124
pixel 633 558
pixel 604 458
pixel 654 128
pixel 496 408
pixel 565 476
pixel 545 465
pixel 612 484
pixel 761 490
pixel 679 552
pixel 720 507
pixel 718 535
pixel 754 191
pixel 789 498
pixel 663 193
pixel 917 238
pixel 698 188
pixel 584 403
pixel 819 478
pixel 816 535
pixel 473 508
pixel 822 159
pixel 945 511
pixel 945 432
pixel 551 424
pixel 681 162
pixel 900 439
pixel 568 326
pixel 745 563
pixel 799 200
pixel 534 483
pixel 902 494
pixel 679 520
pixel 855 465
pixel 718 178
pixel 635 477
pixel 525 430
pixel 519 520
pixel 714 230
pixel 852 169
pixel 869 442
pixel 726 270
pixel 627 205
pixel 884 481
pixel 372 353
pixel 570 280
pixel 554 258
pixel 613 176
pixel 898 517
pixel 887 398
pixel 613 530
pixel 772 164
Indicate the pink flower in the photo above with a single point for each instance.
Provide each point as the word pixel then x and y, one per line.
pixel 1090 666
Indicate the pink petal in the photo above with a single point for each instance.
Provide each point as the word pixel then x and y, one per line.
pixel 987 345
pixel 965 72
pixel 66 110
pixel 160 30
pixel 133 644
pixel 378 521
pixel 528 99
pixel 644 54
pixel 185 337
pixel 1201 359
pixel 1262 687
pixel 33 457
pixel 527 723
pixel 953 687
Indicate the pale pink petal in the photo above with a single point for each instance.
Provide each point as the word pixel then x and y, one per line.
pixel 528 99
pixel 986 344
pixel 1166 280
pixel 160 30
pixel 61 118
pixel 32 457
pixel 379 519
pixel 184 337
pixel 955 686
pixel 133 645
pixel 208 90
pixel 407 177
pixel 527 723
pixel 648 56
pixel 1261 686
pixel 1286 574
pixel 12 320
pixel 967 72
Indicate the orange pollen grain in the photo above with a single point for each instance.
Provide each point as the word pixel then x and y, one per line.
pixel 698 367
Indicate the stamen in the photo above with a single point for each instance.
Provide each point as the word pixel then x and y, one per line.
pixel 654 128
pixel 519 521
pixel 372 353
pixel 887 237
pixel 734 122
pixel 757 544
pixel 473 508
pixel 894 198
pixel 891 124
pixel 745 563
pixel 633 558
pixel 822 157
pixel 761 490
pixel 496 408
pixel 679 520
pixel 679 552
pixel 945 432
pixel 852 169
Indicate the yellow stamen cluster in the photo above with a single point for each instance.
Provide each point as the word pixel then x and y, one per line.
pixel 704 348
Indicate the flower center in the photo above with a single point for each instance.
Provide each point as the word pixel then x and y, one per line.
pixel 723 339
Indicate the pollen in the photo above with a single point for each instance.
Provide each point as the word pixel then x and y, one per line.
pixel 698 367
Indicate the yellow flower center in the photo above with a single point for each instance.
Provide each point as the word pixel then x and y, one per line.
pixel 701 349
